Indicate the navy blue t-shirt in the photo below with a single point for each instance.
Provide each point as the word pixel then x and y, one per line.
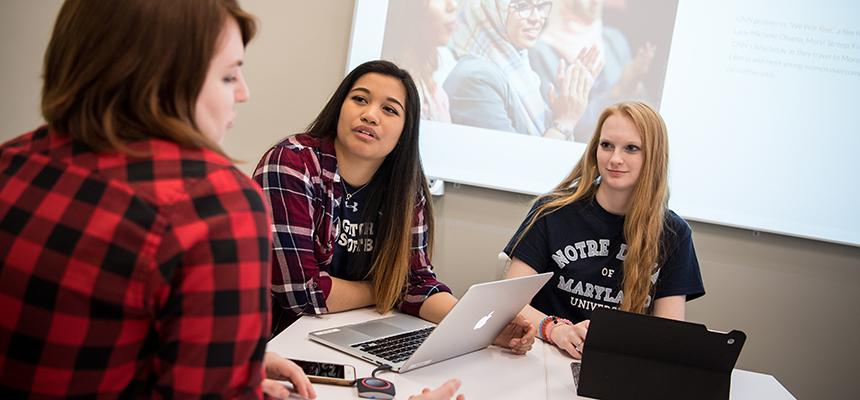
pixel 354 237
pixel 583 245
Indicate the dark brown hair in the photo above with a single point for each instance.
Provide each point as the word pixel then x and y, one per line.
pixel 120 71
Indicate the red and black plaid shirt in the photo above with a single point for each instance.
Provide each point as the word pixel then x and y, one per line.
pixel 127 276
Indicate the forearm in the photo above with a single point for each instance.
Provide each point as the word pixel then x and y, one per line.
pixel 672 307
pixel 437 307
pixel 517 269
pixel 533 315
pixel 349 295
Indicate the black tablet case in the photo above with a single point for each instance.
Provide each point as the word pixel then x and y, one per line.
pixel 634 356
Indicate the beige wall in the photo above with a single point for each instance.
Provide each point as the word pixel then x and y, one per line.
pixel 25 27
pixel 792 297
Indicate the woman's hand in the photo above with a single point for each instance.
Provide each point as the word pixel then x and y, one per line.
pixel 570 338
pixel 280 368
pixel 444 392
pixel 518 335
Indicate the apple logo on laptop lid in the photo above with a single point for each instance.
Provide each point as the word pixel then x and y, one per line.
pixel 483 321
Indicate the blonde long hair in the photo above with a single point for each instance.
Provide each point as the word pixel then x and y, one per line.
pixel 644 222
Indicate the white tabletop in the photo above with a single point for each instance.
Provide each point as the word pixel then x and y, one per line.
pixel 492 373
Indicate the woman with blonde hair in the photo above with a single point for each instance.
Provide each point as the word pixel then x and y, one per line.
pixel 607 234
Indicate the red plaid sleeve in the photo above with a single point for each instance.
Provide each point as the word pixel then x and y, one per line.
pixel 291 178
pixel 422 280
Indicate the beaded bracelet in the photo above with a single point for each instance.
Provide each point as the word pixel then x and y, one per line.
pixel 545 328
pixel 541 331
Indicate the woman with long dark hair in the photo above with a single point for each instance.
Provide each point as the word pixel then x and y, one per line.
pixel 607 234
pixel 353 218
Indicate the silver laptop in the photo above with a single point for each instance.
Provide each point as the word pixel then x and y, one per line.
pixel 405 342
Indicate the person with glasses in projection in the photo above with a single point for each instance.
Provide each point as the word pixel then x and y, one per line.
pixel 575 25
pixel 493 85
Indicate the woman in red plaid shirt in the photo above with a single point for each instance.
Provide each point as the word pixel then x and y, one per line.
pixel 134 256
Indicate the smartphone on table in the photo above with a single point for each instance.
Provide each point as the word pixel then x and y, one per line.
pixel 328 373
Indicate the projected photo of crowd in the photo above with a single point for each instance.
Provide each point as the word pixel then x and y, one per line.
pixel 534 67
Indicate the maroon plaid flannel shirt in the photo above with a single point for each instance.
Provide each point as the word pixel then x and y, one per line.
pixel 299 178
pixel 127 276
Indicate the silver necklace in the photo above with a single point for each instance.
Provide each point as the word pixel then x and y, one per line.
pixel 348 196
pixel 346 191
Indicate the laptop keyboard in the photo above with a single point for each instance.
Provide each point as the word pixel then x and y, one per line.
pixel 395 348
